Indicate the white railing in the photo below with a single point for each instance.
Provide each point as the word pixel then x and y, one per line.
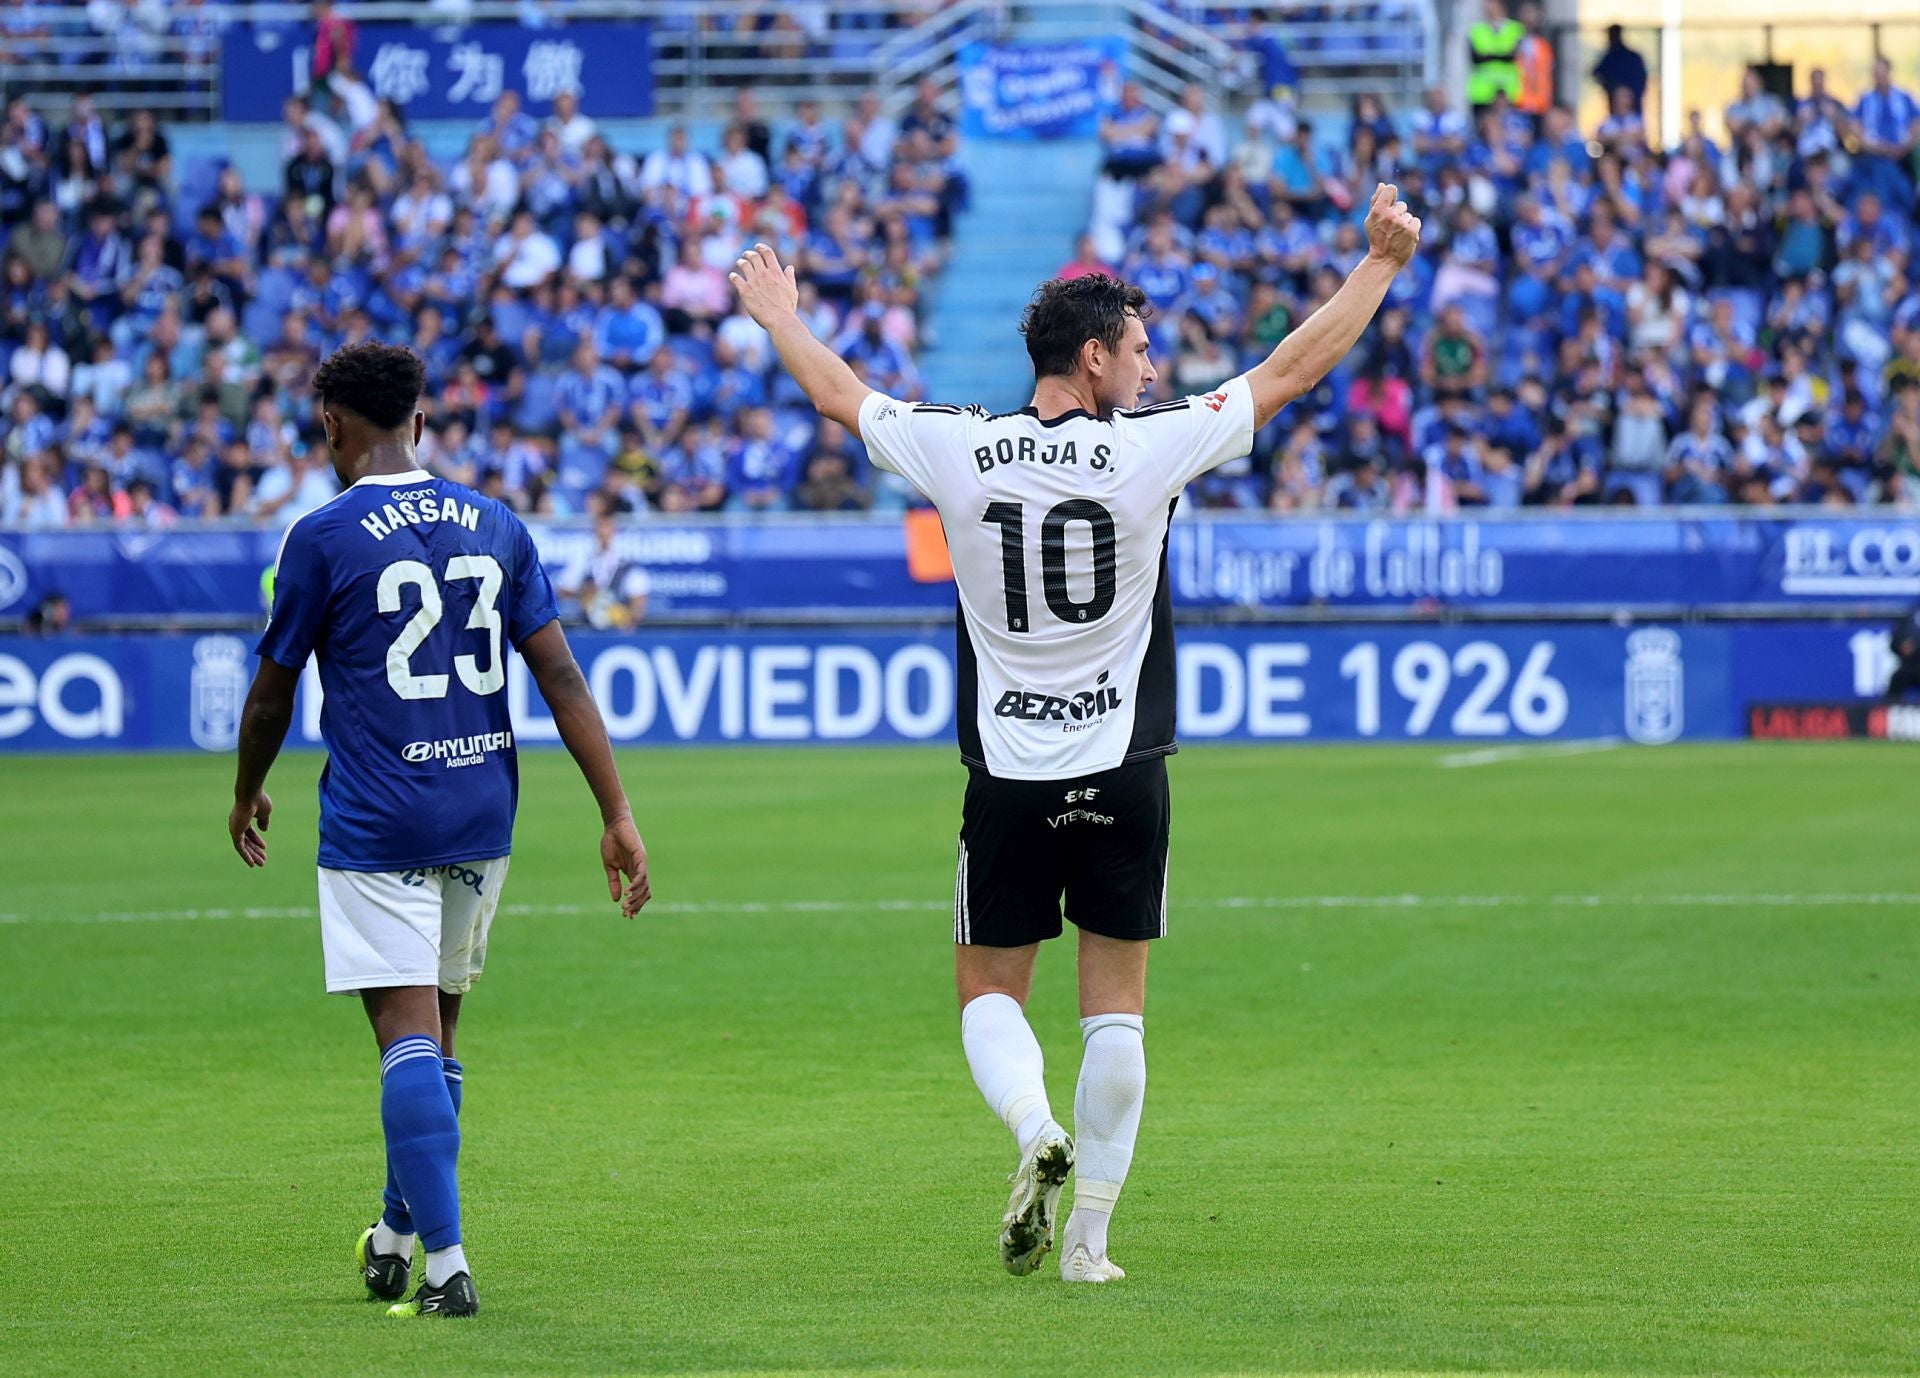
pixel 835 50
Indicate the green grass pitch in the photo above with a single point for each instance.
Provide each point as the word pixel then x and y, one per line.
pixel 1629 1082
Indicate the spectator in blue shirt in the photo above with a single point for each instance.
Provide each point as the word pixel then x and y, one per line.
pixel 100 260
pixel 1361 488
pixel 1439 132
pixel 1620 68
pixel 590 399
pixel 660 402
pixel 1700 458
pixel 761 471
pixel 1820 120
pixel 515 131
pixel 1852 437
pixel 146 287
pixel 1560 141
pixel 886 364
pixel 1870 222
pixel 1757 108
pixel 1889 124
pixel 1300 172
pixel 694 473
pixel 628 332
pixel 1130 136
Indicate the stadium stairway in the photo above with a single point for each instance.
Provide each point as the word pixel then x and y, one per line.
pixel 1030 201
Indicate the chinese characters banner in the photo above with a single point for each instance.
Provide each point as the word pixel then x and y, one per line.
pixel 449 73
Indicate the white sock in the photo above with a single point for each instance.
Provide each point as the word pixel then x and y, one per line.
pixel 390 1241
pixel 1007 1065
pixel 445 1263
pixel 1106 1121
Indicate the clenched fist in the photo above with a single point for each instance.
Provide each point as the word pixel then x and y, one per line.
pixel 1393 232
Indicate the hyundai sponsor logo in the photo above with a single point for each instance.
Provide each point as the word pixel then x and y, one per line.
pixel 457 751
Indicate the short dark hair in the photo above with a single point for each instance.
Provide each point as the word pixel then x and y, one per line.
pixel 1067 312
pixel 380 382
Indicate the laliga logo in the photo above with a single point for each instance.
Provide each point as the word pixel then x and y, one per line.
pixel 13 578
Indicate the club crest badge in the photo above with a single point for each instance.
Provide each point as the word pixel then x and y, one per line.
pixel 218 688
pixel 1656 686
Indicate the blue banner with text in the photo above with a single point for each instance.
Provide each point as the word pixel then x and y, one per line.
pixel 1511 683
pixel 1039 91
pixel 447 72
pixel 853 570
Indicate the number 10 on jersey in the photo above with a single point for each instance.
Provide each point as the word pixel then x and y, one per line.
pixel 1011 518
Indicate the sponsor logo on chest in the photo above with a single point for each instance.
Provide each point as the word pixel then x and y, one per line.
pixel 457 751
pixel 1075 712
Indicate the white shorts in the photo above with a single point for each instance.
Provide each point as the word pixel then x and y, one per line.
pixel 424 927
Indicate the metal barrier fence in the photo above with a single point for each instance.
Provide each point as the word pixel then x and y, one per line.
pixel 167 59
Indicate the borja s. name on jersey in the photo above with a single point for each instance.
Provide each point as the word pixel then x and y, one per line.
pixel 1026 449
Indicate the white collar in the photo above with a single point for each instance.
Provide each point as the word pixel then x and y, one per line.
pixel 396 480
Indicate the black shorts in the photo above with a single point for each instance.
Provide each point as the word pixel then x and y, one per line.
pixel 1099 841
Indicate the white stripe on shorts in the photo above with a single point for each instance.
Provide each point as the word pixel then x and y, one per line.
pixel 962 909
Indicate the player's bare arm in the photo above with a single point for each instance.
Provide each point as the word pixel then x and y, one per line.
pixel 551 662
pixel 1300 361
pixel 771 296
pixel 263 727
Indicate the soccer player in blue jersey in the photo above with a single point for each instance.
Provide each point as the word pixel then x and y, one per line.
pixel 409 589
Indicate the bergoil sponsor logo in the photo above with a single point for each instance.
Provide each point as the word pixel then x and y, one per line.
pixel 1025 705
pixel 457 751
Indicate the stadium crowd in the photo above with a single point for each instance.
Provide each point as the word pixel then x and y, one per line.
pixel 568 296
pixel 1590 320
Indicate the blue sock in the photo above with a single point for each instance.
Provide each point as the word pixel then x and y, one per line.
pixel 396 1215
pixel 399 1219
pixel 423 1137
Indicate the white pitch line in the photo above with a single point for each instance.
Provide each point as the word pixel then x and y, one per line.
pixel 1818 900
pixel 1493 755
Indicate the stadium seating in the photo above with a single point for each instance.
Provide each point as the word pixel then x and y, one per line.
pixel 863 204
pixel 1541 310
pixel 1231 275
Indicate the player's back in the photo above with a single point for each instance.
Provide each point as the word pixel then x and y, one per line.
pixel 1058 532
pixel 409 588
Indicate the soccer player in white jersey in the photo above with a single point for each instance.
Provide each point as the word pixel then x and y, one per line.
pixel 409 589
pixel 1056 516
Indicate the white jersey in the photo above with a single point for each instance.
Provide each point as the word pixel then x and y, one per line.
pixel 1058 531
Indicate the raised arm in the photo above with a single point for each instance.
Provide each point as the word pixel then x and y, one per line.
pixel 578 719
pixel 772 297
pixel 1301 360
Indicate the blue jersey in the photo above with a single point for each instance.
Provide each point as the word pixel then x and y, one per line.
pixel 409 589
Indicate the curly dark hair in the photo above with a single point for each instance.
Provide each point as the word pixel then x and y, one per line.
pixel 1065 313
pixel 380 382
